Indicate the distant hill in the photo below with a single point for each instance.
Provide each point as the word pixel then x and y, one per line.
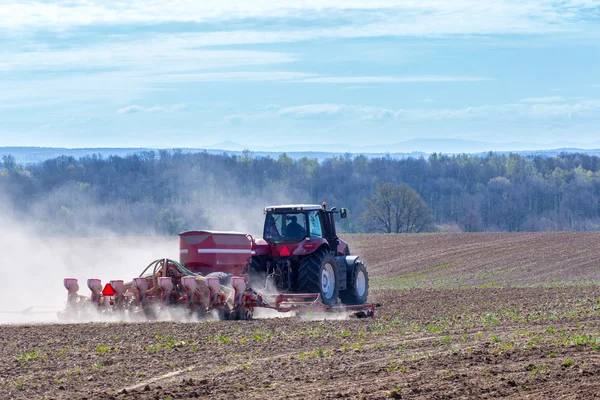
pixel 28 155
pixel 412 148
pixel 420 146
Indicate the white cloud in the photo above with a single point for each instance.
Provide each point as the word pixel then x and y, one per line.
pixel 312 109
pixel 143 64
pixel 142 55
pixel 235 119
pixel 245 76
pixel 167 109
pixel 584 108
pixel 581 108
pixel 78 89
pixel 266 107
pixel 130 110
pixel 392 79
pixel 136 67
pixel 546 99
pixel 392 17
pixel 133 109
pixel 83 12
pixel 76 121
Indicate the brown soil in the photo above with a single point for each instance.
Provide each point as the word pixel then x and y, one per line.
pixel 462 316
pixel 504 258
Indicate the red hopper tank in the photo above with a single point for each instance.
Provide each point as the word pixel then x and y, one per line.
pixel 204 252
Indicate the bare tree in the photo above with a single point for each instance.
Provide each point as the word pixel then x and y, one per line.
pixel 472 222
pixel 396 209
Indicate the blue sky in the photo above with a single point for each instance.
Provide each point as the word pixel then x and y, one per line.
pixel 266 74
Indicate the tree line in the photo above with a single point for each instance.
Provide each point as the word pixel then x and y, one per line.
pixel 168 191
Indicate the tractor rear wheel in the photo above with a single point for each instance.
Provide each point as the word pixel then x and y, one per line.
pixel 318 274
pixel 357 289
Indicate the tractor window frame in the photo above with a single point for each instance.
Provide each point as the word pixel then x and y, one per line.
pixel 315 216
pixel 279 235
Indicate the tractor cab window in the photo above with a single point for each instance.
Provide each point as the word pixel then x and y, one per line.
pixel 285 227
pixel 314 224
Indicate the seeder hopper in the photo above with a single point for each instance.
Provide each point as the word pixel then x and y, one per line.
pixel 299 265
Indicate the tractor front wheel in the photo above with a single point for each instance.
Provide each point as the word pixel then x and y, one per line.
pixel 318 273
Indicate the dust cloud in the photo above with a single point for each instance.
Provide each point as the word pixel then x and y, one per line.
pixel 228 209
pixel 35 256
pixel 33 265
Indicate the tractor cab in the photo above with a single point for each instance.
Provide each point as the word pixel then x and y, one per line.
pixel 292 224
pixel 300 252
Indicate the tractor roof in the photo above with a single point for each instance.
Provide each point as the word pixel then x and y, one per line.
pixel 293 207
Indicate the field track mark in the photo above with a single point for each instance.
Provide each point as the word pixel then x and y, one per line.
pixel 191 368
pixel 161 378
pixel 303 391
pixel 174 374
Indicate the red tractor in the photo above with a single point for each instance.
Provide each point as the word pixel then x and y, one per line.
pixel 299 265
pixel 300 252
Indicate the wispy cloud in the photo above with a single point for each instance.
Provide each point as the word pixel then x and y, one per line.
pixel 546 99
pixel 235 119
pixel 103 59
pixel 242 76
pixel 312 109
pixel 520 110
pixel 129 69
pixel 392 79
pixel 134 109
pixel 584 108
pixel 85 12
pixel 141 55
pixel 354 18
pixel 75 89
pixel 316 110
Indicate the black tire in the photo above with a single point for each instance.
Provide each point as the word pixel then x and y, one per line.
pixel 257 273
pixel 351 295
pixel 224 312
pixel 310 275
pixel 239 313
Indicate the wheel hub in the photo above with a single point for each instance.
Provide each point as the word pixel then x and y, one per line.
pixel 327 281
pixel 361 283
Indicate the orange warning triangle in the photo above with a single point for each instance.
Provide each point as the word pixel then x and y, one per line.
pixel 285 252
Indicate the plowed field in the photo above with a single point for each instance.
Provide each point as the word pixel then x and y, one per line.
pixel 462 316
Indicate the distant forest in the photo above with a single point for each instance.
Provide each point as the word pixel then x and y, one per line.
pixel 165 192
